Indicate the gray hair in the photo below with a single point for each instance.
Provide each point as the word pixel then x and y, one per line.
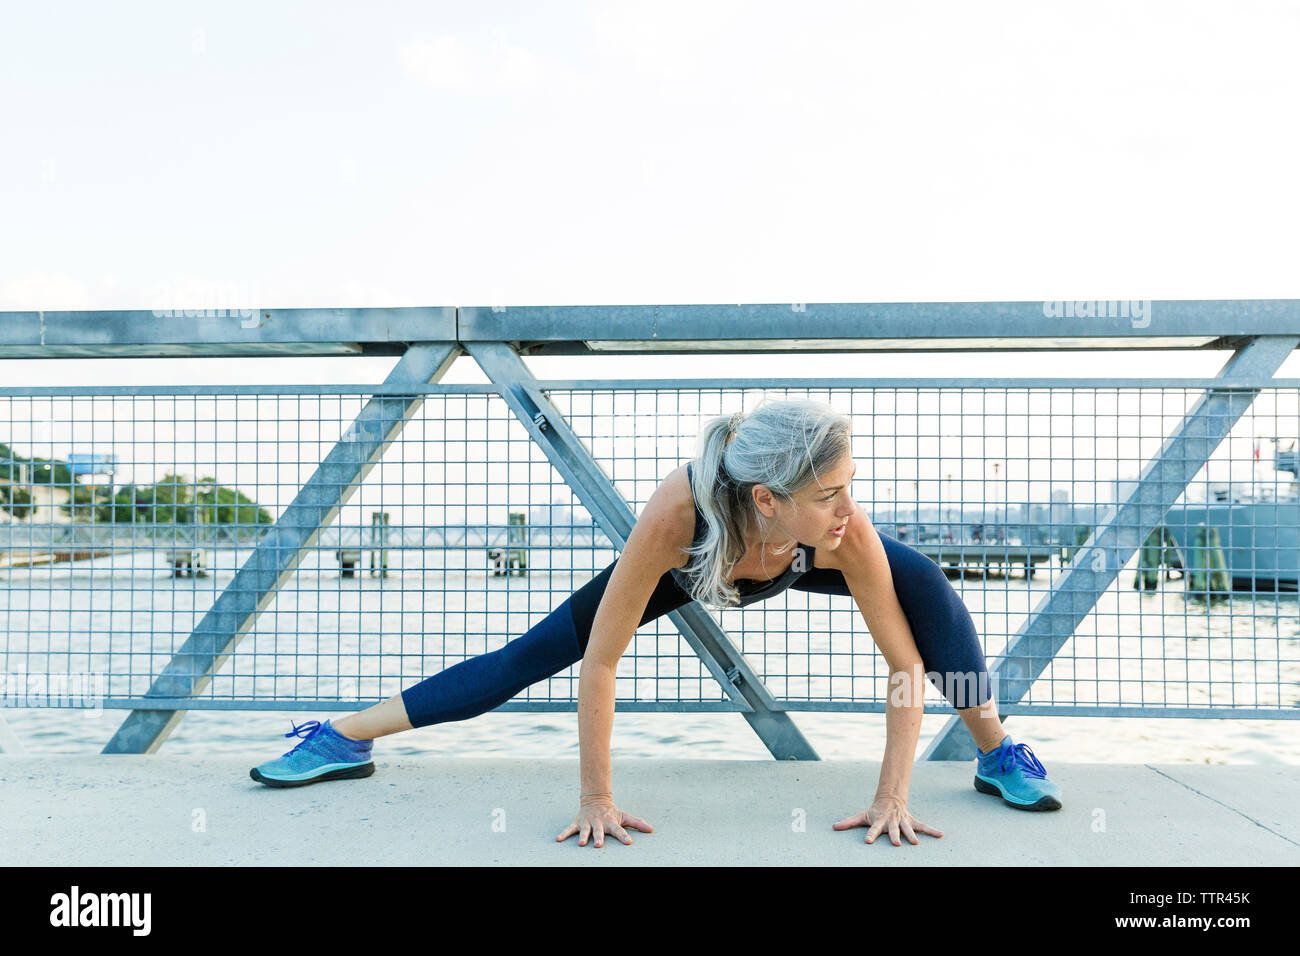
pixel 783 445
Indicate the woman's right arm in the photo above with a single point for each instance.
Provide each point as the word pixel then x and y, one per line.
pixel 654 546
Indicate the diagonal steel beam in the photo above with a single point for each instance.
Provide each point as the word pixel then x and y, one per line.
pixel 573 461
pixel 277 555
pixel 1099 560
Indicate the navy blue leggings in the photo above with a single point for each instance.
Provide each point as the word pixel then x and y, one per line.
pixel 941 624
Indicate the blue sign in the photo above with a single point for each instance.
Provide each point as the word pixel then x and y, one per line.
pixel 86 464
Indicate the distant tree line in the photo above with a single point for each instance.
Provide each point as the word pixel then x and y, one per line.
pixel 174 499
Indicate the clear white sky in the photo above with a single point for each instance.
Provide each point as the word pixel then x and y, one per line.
pixel 331 154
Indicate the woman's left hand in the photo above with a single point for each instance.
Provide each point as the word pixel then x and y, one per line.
pixel 890 812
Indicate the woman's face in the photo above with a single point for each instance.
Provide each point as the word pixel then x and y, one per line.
pixel 825 507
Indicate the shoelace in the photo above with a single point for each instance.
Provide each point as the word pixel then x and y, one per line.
pixel 1021 754
pixel 315 727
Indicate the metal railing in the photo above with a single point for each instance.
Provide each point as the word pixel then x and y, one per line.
pixel 1124 548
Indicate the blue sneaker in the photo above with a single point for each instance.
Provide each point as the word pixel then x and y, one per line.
pixel 1012 772
pixel 323 754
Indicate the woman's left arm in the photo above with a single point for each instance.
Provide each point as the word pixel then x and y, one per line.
pixel 862 560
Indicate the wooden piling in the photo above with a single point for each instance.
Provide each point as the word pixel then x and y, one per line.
pixel 1207 566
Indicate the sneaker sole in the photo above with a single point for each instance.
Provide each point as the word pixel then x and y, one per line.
pixel 1046 802
pixel 343 773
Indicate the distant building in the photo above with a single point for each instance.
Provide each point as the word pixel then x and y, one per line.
pixel 1061 510
pixel 1121 488
pixel 557 514
pixel 45 502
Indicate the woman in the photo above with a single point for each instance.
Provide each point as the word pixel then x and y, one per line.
pixel 764 507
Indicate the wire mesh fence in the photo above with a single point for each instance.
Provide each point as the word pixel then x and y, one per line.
pixel 126 512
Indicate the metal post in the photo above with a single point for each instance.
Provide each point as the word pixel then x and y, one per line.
pixel 1111 544
pixel 378 539
pixel 517 538
pixel 573 461
pixel 278 553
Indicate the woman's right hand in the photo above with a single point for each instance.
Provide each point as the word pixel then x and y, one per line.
pixel 598 816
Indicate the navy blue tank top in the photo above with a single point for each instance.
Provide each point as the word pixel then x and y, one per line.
pixel 750 591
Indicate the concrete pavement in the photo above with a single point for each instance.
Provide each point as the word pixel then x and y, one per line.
pixel 157 810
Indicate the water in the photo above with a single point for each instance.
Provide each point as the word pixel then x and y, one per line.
pixel 382 634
